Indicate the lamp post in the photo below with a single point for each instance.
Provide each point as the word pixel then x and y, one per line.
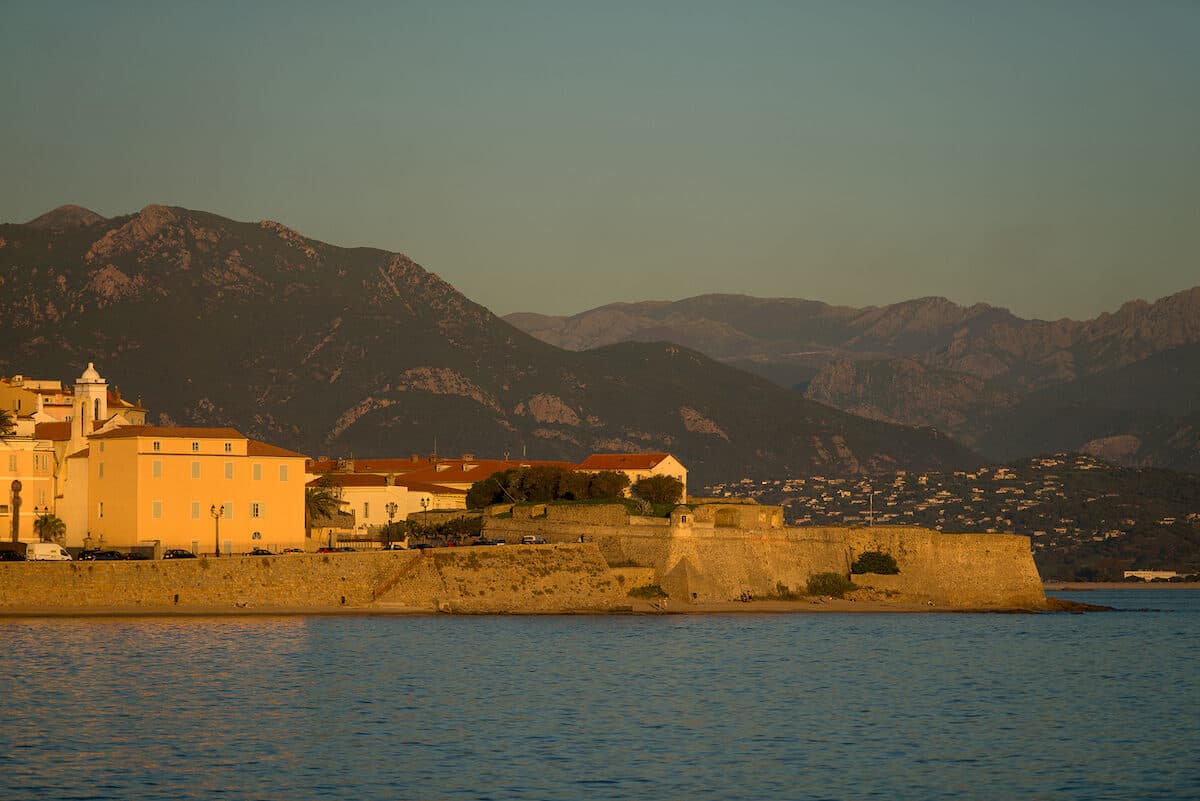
pixel 425 509
pixel 217 513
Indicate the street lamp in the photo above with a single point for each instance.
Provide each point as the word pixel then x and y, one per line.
pixel 425 509
pixel 217 513
pixel 391 508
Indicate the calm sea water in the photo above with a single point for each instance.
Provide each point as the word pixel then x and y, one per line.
pixel 1100 706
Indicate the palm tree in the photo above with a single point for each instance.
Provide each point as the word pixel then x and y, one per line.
pixel 50 528
pixel 6 422
pixel 319 501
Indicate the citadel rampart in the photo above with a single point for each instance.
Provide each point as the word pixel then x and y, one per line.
pixel 699 554
pixel 715 552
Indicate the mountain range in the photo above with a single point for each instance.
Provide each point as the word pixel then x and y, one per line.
pixel 1124 386
pixel 359 351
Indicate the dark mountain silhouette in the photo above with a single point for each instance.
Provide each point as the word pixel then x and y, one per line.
pixel 979 373
pixel 334 351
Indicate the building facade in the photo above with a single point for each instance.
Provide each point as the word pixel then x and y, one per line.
pixel 192 488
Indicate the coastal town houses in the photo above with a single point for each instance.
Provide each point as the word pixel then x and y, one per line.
pixel 85 455
pixel 192 488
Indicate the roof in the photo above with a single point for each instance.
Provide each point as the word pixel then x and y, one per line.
pixel 349 480
pixel 458 471
pixel 167 432
pixel 368 465
pixel 256 448
pixel 55 431
pixel 622 461
pixel 432 489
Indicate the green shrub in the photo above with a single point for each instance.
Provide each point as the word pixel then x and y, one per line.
pixel 648 591
pixel 875 562
pixel 834 584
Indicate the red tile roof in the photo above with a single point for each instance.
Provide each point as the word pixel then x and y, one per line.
pixel 165 432
pixel 622 461
pixel 458 471
pixel 367 465
pixel 349 480
pixel 256 448
pixel 54 431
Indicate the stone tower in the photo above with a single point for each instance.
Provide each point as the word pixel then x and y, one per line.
pixel 90 405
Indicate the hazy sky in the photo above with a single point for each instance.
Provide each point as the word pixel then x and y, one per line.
pixel 555 156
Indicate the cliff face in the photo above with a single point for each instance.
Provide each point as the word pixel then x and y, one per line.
pixel 970 371
pixel 332 351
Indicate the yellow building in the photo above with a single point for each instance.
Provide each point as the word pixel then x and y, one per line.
pixel 190 488
pixel 26 485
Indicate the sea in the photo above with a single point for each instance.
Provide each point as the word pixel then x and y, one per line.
pixel 789 706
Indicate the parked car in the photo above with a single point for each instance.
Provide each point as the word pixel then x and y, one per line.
pixel 485 541
pixel 11 556
pixel 293 550
pixel 136 556
pixel 100 555
pixel 261 552
pixel 533 539
pixel 178 553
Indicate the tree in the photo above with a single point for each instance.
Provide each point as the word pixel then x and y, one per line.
pixel 7 423
pixel 659 489
pixel 607 484
pixel 50 528
pixel 319 501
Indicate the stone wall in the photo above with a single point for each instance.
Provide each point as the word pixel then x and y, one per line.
pixel 696 560
pixel 509 578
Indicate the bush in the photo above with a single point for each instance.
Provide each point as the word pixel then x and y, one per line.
pixel 648 591
pixel 875 562
pixel 834 584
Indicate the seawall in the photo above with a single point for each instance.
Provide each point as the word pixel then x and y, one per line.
pixel 500 579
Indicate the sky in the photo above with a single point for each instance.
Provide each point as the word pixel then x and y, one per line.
pixel 556 156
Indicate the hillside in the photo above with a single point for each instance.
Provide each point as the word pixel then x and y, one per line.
pixel 979 373
pixel 334 351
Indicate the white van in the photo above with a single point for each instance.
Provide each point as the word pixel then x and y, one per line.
pixel 46 552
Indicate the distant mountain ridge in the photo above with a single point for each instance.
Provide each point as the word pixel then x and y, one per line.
pixel 342 351
pixel 965 370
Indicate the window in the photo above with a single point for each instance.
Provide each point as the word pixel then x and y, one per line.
pixel 283 472
pixel 228 507
pixel 157 445
pixel 256 510
pixel 156 510
pixel 3 510
pixel 366 510
pixel 102 447
pixel 101 508
pixel 12 462
pixel 195 510
pixel 100 470
pixel 195 470
pixel 195 447
pixel 158 468
pixel 229 447
pixel 257 472
pixel 229 470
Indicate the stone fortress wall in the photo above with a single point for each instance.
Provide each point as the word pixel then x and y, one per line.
pixel 716 551
pixel 703 553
